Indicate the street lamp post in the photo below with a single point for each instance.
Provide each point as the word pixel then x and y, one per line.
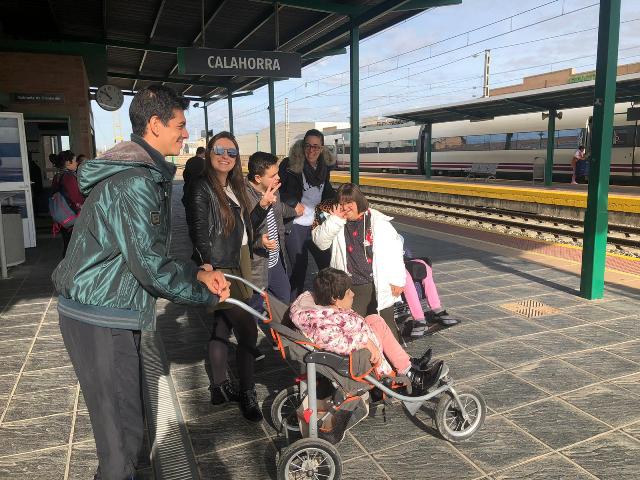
pixel 206 120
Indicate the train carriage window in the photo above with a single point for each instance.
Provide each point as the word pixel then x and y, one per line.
pixel 623 136
pixel 448 144
pixel 400 146
pixel 528 140
pixel 543 140
pixel 369 147
pixel 498 141
pixel 569 139
pixel 476 142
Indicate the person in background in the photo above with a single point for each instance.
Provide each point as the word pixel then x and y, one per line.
pixel 364 244
pixel 577 157
pixel 305 183
pixel 81 158
pixel 220 227
pixel 67 184
pixel 120 266
pixel 193 168
pixel 35 175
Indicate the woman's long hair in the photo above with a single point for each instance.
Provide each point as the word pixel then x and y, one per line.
pixel 234 179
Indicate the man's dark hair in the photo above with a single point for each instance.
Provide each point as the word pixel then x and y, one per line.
pixel 153 100
pixel 81 157
pixel 314 133
pixel 259 162
pixel 330 285
pixel 350 192
pixel 581 147
pixel 200 150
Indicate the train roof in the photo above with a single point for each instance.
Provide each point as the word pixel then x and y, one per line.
pixel 573 95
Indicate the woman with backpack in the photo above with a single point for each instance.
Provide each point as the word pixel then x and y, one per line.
pixel 66 183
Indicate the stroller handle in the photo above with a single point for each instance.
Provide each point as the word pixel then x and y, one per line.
pixel 243 305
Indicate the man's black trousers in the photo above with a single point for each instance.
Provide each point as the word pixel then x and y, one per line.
pixel 107 364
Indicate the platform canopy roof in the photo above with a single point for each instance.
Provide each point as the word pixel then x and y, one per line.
pixel 573 95
pixel 137 39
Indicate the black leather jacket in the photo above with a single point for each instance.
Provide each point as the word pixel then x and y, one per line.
pixel 210 245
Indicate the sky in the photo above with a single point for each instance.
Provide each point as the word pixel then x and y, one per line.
pixel 434 58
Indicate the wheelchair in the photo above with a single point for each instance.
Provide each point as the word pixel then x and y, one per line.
pixel 328 383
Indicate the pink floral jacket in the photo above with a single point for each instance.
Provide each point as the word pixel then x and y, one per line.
pixel 333 329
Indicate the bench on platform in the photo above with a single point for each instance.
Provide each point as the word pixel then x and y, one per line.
pixel 486 170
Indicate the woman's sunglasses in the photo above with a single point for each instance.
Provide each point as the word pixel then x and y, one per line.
pixel 232 152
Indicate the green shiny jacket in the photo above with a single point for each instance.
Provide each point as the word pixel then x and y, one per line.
pixel 117 262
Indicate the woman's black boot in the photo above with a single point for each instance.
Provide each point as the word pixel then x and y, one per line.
pixel 223 393
pixel 249 405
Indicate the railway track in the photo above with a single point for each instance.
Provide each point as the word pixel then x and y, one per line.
pixel 621 237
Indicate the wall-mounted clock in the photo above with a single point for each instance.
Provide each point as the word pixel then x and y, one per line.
pixel 109 97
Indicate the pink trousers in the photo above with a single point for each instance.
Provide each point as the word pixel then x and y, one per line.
pixel 411 294
pixel 392 350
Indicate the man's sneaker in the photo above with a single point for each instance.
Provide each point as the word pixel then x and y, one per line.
pixel 423 380
pixel 223 393
pixel 257 354
pixel 444 318
pixel 419 328
pixel 249 405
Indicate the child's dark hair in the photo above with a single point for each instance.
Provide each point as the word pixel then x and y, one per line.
pixel 64 157
pixel 350 192
pixel 259 162
pixel 330 285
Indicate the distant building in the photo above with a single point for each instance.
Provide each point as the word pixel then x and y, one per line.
pixel 560 77
pixel 260 140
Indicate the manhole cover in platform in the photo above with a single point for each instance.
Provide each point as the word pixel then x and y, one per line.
pixel 529 308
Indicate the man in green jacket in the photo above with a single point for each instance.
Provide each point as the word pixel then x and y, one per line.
pixel 117 265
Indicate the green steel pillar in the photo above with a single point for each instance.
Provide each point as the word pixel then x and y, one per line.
pixel 272 118
pixel 594 250
pixel 206 124
pixel 230 102
pixel 428 145
pixel 551 140
pixel 354 74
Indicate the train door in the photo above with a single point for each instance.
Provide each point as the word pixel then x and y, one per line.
pixel 422 149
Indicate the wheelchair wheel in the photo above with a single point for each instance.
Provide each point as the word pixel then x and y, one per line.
pixel 284 406
pixel 451 425
pixel 310 458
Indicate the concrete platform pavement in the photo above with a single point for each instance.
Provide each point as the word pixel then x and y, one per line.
pixel 562 388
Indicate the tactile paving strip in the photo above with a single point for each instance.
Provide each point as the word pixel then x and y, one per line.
pixel 529 308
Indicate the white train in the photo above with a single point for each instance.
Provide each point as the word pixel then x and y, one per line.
pixel 511 142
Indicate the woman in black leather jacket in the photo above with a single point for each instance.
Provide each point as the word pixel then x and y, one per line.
pixel 220 227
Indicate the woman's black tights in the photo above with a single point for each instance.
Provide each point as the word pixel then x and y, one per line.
pixel 246 332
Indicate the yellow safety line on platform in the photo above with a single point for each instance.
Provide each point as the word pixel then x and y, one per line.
pixel 617 203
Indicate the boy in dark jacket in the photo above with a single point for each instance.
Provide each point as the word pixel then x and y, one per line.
pixel 270 262
pixel 117 266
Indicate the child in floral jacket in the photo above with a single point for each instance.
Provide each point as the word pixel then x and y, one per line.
pixel 326 318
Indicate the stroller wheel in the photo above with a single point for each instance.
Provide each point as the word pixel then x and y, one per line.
pixel 310 458
pixel 449 419
pixel 284 407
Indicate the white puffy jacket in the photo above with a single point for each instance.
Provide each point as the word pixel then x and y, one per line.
pixel 388 263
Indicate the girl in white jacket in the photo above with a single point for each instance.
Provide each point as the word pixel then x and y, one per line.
pixel 365 245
